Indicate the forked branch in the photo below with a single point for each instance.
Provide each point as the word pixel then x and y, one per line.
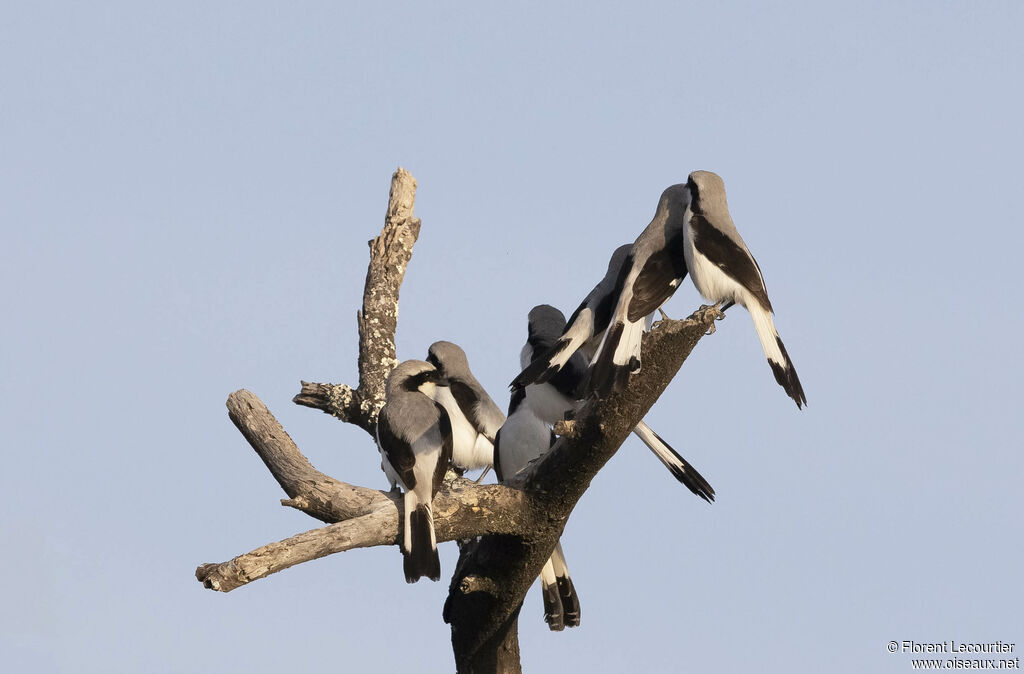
pixel 390 253
pixel 505 532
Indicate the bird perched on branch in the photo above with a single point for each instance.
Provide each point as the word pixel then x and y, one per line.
pixel 584 330
pixel 523 438
pixel 474 416
pixel 415 440
pixel 560 395
pixel 526 436
pixel 611 319
pixel 724 271
pixel 649 276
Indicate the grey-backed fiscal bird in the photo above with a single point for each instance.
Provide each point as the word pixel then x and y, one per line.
pixel 474 416
pixel 415 440
pixel 584 330
pixel 649 276
pixel 552 400
pixel 724 271
pixel 523 438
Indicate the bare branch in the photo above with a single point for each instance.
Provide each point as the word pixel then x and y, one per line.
pixel 338 400
pixel 361 532
pixel 326 499
pixel 389 258
pixel 462 510
pixel 390 253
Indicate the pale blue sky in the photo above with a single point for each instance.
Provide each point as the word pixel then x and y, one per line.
pixel 185 196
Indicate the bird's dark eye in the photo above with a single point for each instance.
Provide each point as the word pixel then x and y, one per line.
pixel 421 378
pixel 432 359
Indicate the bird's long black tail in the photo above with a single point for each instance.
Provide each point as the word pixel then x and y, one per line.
pixel 421 559
pixel 775 352
pixel 566 591
pixel 677 465
pixel 785 374
pixel 553 614
pixel 561 603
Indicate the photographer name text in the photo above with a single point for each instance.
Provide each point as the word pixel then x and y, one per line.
pixel 953 646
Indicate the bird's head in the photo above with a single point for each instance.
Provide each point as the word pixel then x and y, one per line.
pixel 673 202
pixel 449 359
pixel 546 322
pixel 414 375
pixel 618 259
pixel 707 192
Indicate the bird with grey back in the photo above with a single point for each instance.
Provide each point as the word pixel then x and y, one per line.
pixel 523 438
pixel 649 276
pixel 414 436
pixel 583 331
pixel 474 416
pixel 724 271
pixel 560 395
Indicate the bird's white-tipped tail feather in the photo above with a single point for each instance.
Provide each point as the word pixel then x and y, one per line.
pixel 557 561
pixel 547 574
pixel 561 605
pixel 661 450
pixel 627 351
pixel 409 503
pixel 565 350
pixel 419 542
pixel 676 464
pixel 546 365
pixel 775 352
pixel 553 614
pixel 412 502
pixel 767 334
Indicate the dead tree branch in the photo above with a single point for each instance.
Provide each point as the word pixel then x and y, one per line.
pixel 390 253
pixel 462 510
pixel 322 496
pixel 505 532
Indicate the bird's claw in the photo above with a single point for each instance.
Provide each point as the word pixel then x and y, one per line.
pixel 656 322
pixel 716 309
pixel 716 312
pixel 565 428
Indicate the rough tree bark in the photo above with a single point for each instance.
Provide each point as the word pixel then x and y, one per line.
pixel 389 258
pixel 506 532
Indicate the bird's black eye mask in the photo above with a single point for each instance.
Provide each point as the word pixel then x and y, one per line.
pixel 419 379
pixel 432 359
pixel 694 195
